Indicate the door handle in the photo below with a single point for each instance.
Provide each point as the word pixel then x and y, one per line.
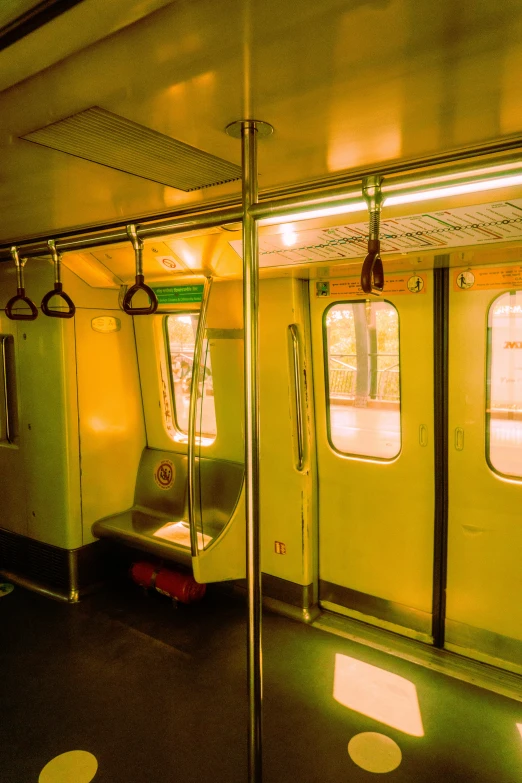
pixel 8 432
pixel 423 435
pixel 294 334
pixel 459 438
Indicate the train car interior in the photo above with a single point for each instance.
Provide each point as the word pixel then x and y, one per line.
pixel 260 391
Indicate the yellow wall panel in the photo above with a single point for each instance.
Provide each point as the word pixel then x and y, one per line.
pixel 112 433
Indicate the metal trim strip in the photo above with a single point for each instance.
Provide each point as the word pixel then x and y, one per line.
pixel 494 646
pixel 372 606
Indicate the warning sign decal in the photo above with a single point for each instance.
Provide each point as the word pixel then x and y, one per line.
pixel 164 474
pixel 394 284
pixel 484 278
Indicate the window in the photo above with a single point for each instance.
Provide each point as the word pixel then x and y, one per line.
pixel 504 385
pixel 181 335
pixel 363 378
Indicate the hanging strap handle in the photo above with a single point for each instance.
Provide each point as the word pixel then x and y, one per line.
pixel 372 272
pixel 139 284
pixel 58 289
pixel 20 292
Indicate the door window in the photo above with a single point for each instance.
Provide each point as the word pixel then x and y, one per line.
pixel 504 385
pixel 363 379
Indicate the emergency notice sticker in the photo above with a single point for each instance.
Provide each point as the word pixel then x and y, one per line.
pixel 393 284
pixel 484 278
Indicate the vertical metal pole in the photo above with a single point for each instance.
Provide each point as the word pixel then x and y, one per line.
pixel 249 131
pixel 251 317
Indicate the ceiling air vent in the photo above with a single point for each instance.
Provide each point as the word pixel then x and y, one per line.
pixel 102 137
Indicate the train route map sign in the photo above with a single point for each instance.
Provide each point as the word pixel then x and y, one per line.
pixel 449 228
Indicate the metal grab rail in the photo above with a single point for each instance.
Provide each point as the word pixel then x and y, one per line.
pixel 20 292
pixel 191 450
pixel 294 334
pixel 8 434
pixel 57 289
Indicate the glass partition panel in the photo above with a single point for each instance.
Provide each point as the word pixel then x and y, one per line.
pixel 181 334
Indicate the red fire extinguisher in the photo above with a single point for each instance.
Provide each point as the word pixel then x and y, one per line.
pixel 174 584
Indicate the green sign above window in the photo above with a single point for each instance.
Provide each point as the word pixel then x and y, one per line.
pixel 179 294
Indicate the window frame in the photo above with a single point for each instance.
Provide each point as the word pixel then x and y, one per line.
pixel 345 454
pixel 487 395
pixel 204 438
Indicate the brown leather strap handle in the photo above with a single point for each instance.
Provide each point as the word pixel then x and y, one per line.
pixel 58 288
pixel 21 316
pixel 372 273
pixel 20 292
pixel 59 292
pixel 140 285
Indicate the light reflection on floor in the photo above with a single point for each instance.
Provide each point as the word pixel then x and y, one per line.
pixel 378 694
pixel 374 752
pixel 75 766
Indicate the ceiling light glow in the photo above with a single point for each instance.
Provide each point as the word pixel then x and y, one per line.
pixel 454 190
pixel 289 237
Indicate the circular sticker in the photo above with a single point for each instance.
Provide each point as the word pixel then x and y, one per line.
pixel 415 284
pixel 5 588
pixel 106 324
pixel 465 280
pixel 164 474
pixel 168 262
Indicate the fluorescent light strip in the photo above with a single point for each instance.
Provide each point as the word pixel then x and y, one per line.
pixel 399 198
pixel 447 178
pixel 454 190
pixel 342 209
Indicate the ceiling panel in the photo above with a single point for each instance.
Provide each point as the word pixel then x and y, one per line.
pixel 344 84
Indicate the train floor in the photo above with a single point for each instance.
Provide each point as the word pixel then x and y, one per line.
pixel 158 694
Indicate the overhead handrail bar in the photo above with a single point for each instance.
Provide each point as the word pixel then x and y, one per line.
pixel 8 434
pixel 20 292
pixel 193 404
pixel 75 243
pixel 372 272
pixel 296 355
pixel 139 280
pixel 57 290
pixel 335 191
